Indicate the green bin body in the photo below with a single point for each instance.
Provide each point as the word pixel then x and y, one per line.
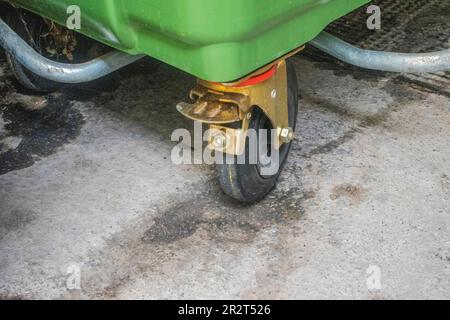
pixel 215 40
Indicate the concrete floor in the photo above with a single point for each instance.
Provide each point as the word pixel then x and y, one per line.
pixel 87 184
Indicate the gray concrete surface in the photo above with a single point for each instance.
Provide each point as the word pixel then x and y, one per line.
pixel 87 183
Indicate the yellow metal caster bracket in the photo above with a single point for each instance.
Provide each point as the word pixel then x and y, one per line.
pixel 220 104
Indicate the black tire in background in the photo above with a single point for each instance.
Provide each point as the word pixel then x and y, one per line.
pixel 244 182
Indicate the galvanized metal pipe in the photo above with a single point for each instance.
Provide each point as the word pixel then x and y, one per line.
pixel 61 72
pixel 381 60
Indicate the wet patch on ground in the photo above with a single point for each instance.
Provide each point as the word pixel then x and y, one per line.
pixel 207 219
pixel 222 216
pixel 108 87
pixel 14 220
pixel 40 132
pixel 333 144
pixel 32 126
pixel 430 85
pixel 43 123
pixel 142 95
pixel 323 61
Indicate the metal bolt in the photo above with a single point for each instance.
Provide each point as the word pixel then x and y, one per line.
pixel 220 140
pixel 273 94
pixel 286 135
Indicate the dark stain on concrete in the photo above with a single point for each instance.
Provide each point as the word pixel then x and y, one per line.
pixel 333 144
pixel 223 218
pixel 158 244
pixel 14 220
pixel 176 223
pixel 144 93
pixel 56 123
pixel 402 94
pixel 41 132
pixel 104 89
pixel 323 61
pixel 427 86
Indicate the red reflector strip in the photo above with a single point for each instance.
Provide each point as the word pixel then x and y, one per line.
pixel 259 78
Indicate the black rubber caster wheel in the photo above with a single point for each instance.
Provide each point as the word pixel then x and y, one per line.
pixel 245 182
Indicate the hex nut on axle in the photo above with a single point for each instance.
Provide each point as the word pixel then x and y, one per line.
pixel 286 135
pixel 220 140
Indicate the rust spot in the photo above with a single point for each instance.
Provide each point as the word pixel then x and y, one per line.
pixel 354 193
